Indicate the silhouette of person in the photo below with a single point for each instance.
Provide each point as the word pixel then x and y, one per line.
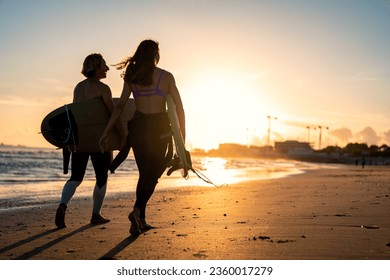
pixel 149 131
pixel 94 69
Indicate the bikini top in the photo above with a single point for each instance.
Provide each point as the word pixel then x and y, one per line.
pixel 150 91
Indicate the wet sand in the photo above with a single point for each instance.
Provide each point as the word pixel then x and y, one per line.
pixel 329 214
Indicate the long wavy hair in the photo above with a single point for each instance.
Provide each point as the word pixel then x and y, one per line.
pixel 140 66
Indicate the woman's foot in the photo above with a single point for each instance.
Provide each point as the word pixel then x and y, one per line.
pixel 60 216
pixel 143 225
pixel 133 218
pixel 98 219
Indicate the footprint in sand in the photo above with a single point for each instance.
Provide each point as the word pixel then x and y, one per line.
pixel 200 255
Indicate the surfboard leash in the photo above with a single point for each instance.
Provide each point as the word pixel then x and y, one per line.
pixel 71 129
pixel 206 179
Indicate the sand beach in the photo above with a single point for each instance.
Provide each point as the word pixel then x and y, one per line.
pixel 324 214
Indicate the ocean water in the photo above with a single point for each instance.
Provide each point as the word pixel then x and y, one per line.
pixel 33 176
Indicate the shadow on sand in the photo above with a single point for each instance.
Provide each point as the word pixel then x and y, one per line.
pixel 111 255
pixel 27 240
pixel 43 247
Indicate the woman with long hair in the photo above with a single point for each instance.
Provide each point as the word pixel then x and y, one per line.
pixel 149 130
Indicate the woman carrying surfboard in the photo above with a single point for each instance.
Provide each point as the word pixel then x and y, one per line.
pixel 94 69
pixel 149 129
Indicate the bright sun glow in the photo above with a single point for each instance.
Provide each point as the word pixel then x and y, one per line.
pixel 223 107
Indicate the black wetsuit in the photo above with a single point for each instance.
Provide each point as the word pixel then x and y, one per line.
pixel 100 162
pixel 149 136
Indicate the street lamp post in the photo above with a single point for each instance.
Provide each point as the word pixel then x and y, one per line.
pixel 319 140
pixel 269 128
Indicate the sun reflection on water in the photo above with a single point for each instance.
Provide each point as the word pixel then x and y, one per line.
pixel 216 170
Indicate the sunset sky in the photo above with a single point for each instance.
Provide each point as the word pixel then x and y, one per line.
pixel 306 62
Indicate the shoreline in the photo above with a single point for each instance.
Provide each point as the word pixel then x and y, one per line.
pixel 324 214
pixel 220 171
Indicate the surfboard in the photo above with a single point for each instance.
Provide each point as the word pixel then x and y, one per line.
pixel 178 137
pixel 79 126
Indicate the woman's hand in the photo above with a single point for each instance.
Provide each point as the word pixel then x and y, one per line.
pixel 103 142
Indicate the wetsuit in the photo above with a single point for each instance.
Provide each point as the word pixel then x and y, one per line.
pixel 123 153
pixel 149 136
pixel 100 162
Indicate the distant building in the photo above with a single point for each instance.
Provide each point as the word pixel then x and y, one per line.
pixel 231 149
pixel 294 148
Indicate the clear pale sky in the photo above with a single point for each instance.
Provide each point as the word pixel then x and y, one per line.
pixel 307 62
